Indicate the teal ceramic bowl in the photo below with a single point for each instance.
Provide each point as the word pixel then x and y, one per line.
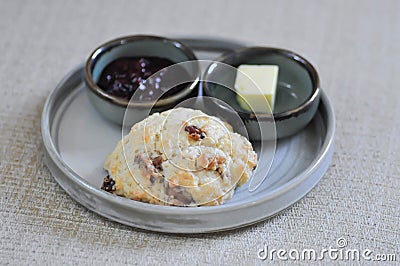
pixel 114 108
pixel 298 90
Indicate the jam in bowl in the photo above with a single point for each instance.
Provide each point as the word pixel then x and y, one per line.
pixel 137 72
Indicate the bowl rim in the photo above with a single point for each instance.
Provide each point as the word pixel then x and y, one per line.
pixel 302 108
pixel 122 102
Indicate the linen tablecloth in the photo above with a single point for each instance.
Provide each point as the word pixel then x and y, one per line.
pixel 355 45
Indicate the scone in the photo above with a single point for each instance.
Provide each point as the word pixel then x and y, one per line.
pixel 180 157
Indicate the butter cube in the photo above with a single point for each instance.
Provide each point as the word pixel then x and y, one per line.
pixel 256 84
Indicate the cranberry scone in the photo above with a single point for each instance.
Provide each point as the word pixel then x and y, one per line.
pixel 180 157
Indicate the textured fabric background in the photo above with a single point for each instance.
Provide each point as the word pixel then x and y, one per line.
pixel 355 46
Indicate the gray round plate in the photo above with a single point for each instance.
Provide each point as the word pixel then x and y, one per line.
pixel 77 139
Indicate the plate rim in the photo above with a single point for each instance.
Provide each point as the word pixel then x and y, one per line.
pixel 53 155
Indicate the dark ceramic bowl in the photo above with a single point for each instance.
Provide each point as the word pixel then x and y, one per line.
pixel 298 90
pixel 113 108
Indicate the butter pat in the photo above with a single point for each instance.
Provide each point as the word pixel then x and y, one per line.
pixel 255 84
